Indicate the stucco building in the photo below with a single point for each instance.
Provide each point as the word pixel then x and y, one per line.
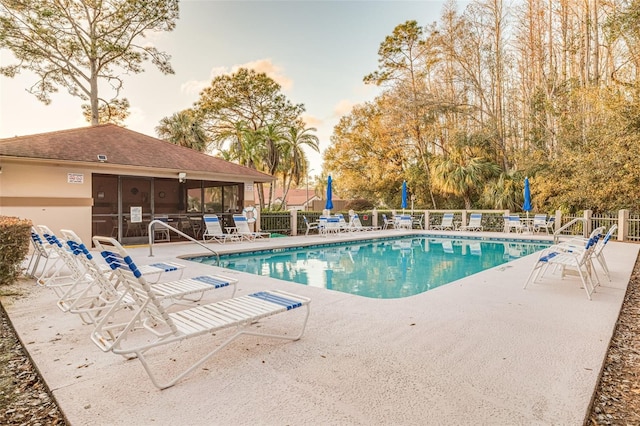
pixel 109 180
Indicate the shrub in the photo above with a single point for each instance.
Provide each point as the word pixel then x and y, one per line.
pixel 14 246
pixel 359 205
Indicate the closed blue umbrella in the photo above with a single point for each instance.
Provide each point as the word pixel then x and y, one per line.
pixel 329 204
pixel 404 195
pixel 527 197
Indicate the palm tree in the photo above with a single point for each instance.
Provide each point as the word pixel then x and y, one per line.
pixel 272 136
pixel 463 175
pixel 185 129
pixel 504 193
pixel 294 160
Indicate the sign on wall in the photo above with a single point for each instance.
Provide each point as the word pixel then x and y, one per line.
pixel 75 177
pixel 136 214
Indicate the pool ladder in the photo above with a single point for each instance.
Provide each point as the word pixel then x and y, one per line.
pixel 177 231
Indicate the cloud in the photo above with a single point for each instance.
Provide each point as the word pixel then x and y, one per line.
pixel 261 65
pixel 343 107
pixel 136 118
pixel 311 120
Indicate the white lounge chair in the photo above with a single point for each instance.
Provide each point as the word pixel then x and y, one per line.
pixel 156 326
pixel 213 230
pixel 598 251
pixel 475 223
pixel 475 248
pixel 64 271
pixel 41 250
pixel 568 257
pixel 356 225
pixel 92 298
pixel 310 225
pixel 446 224
pixel 242 226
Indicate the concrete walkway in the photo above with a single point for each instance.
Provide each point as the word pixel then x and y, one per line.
pixel 480 350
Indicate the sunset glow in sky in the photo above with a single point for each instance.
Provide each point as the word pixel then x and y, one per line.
pixel 318 51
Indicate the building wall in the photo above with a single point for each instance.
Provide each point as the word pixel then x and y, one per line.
pixel 60 195
pixel 57 196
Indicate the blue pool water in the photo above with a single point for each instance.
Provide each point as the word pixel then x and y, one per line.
pixel 383 268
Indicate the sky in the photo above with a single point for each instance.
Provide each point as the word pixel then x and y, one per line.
pixel 318 51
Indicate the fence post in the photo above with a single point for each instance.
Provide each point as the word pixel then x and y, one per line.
pixel 427 220
pixel 558 223
pixel 623 224
pixel 294 222
pixel 588 227
pixel 374 217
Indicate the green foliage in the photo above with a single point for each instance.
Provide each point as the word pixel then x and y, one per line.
pixel 252 123
pixel 14 246
pixel 115 112
pixel 184 128
pixel 464 118
pixel 244 101
pixel 75 43
pixel 359 205
pixel 597 170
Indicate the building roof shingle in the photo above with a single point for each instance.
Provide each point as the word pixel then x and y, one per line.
pixel 122 147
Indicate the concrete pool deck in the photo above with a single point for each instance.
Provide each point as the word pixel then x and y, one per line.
pixel 480 350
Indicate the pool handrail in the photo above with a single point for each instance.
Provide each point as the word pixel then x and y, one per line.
pixel 558 232
pixel 171 228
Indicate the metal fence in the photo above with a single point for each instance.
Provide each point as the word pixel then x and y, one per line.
pixel 492 220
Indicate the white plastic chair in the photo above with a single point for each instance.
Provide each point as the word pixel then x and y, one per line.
pixel 387 222
pixel 156 327
pixel 475 223
pixel 213 230
pixel 310 225
pixel 356 224
pixel 446 224
pixel 568 257
pixel 92 298
pixel 242 225
pixel 513 222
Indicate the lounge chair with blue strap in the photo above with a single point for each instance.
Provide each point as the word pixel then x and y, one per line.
pixel 64 271
pixel 446 224
pixel 213 230
pixel 92 297
pixel 475 223
pixel 242 226
pixel 156 326
pixel 540 222
pixel 41 250
pixel 598 251
pixel 569 257
pixel 356 225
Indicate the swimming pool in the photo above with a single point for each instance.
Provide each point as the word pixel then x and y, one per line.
pixel 385 268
